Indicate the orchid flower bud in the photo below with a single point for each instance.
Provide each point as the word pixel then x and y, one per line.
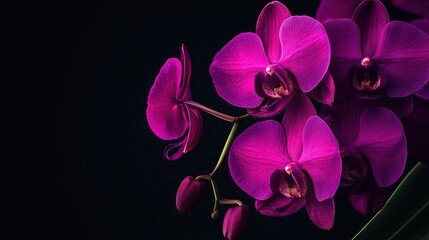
pixel 236 222
pixel 190 193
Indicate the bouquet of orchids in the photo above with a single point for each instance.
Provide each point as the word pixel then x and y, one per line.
pixel 352 89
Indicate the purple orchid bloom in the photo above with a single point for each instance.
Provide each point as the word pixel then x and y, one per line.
pixel 373 58
pixel 419 7
pixel 167 115
pixel 417 130
pixel 332 9
pixel 262 71
pixel 373 150
pixel 289 165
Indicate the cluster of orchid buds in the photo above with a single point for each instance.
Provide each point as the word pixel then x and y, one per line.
pixel 353 90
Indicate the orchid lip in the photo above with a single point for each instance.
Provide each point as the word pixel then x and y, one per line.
pixel 275 83
pixel 294 184
pixel 355 168
pixel 366 76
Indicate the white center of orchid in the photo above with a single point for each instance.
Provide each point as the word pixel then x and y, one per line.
pixel 290 167
pixel 365 62
pixel 269 69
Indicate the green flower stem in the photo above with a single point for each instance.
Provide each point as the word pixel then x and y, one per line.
pixel 222 157
pixel 225 148
pixel 215 212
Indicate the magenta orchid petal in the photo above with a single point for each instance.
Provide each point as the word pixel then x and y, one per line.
pixel 174 151
pixel 279 206
pixel 345 42
pixel 331 9
pixel 294 120
pixel 165 116
pixel 404 54
pixel 185 91
pixel 370 17
pixel 360 202
pixel 422 24
pixel 305 50
pixel 344 121
pixel 324 92
pixel 419 7
pixel 268 26
pixel 382 140
pixel 322 213
pixel 321 158
pixel 195 128
pixel 255 155
pixel 234 68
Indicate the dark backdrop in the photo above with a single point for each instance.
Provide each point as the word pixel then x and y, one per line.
pixel 81 162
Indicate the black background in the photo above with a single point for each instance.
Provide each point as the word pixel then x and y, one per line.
pixel 81 161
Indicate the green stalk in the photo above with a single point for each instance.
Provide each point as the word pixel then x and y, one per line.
pixel 225 149
pixel 215 212
pixel 408 202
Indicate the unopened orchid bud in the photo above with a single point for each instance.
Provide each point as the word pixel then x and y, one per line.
pixel 190 193
pixel 236 222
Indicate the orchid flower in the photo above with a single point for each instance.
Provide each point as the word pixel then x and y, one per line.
pixel 167 114
pixel 373 150
pixel 289 165
pixel 373 58
pixel 262 71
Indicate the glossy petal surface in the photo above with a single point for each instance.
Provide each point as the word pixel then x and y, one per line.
pixel 305 50
pixel 321 158
pixel 234 69
pixel 255 155
pixel 382 140
pixel 370 17
pixel 294 120
pixel 268 27
pixel 404 54
pixel 166 117
pixel 321 213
